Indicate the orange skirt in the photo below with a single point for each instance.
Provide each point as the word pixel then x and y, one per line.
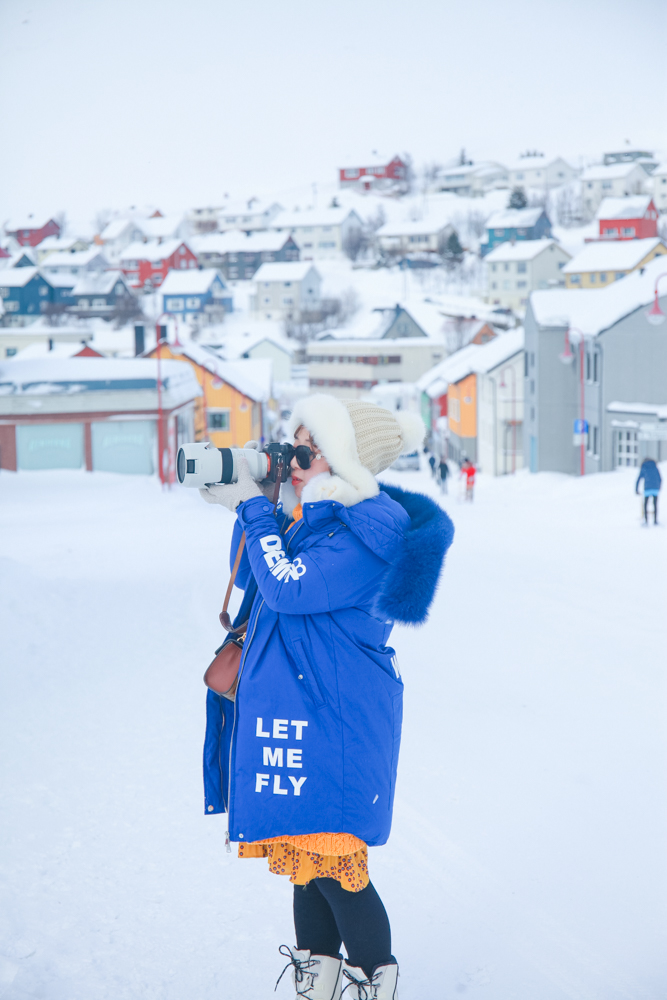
pixel 317 855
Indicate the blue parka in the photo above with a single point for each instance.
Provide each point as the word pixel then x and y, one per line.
pixel 650 473
pixel 311 743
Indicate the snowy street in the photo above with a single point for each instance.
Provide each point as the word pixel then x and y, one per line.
pixel 527 859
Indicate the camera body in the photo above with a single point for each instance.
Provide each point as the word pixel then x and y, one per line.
pixel 200 464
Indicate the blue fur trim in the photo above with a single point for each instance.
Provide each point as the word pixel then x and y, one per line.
pixel 410 583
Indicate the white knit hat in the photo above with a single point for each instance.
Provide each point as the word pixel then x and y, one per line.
pixel 358 440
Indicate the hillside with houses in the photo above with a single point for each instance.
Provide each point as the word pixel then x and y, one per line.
pixel 438 290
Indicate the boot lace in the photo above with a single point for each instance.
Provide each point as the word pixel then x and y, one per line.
pixel 367 989
pixel 300 970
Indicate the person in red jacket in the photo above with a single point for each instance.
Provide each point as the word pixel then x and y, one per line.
pixel 468 470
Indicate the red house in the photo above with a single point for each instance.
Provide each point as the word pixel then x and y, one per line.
pixel 633 218
pixel 392 174
pixel 29 232
pixel 147 264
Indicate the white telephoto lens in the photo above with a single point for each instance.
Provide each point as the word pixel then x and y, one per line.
pixel 258 463
pixel 199 464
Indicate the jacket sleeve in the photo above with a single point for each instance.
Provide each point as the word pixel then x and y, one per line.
pixel 639 479
pixel 329 576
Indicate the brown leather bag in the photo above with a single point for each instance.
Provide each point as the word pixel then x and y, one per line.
pixel 222 673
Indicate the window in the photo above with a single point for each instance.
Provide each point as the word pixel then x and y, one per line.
pixel 506 285
pixel 218 420
pixel 588 366
pixel 288 301
pixel 183 265
pixel 267 301
pixel 494 284
pixel 519 176
pixel 522 232
pixel 611 231
pixel 522 267
pixel 575 279
pixel 532 359
pixel 11 306
pixel 99 303
pixel 181 250
pixel 193 303
pixel 507 267
pixel 84 303
pixel 157 263
pixel 596 367
pixel 603 276
pixel 522 284
pixel 174 305
pixel 43 290
pixel 493 268
pixel 326 245
pixel 119 289
pixel 498 232
pixel 619 275
pixel 592 278
pixel 628 231
pixel 287 284
pixel 626 448
pixel 10 352
pixel 606 185
pixel 594 444
pixel 455 409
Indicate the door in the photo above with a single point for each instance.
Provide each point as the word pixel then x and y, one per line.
pixel 123 446
pixel 49 446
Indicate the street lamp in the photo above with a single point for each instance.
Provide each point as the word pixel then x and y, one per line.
pixel 655 315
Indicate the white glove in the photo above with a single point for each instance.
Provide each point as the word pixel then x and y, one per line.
pixel 267 486
pixel 231 495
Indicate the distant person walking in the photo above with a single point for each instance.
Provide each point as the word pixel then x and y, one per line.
pixel 650 473
pixel 443 472
pixel 468 470
pixel 431 462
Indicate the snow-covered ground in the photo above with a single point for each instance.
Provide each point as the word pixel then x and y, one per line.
pixel 527 860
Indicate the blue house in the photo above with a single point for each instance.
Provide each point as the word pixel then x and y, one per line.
pixel 516 224
pixel 188 293
pixel 25 294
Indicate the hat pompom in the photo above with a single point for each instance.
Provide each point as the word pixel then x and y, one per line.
pixel 413 430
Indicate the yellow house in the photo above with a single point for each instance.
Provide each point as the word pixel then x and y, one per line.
pixel 229 412
pixel 605 261
pixel 462 414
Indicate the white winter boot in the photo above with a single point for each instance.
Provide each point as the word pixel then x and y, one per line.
pixel 383 984
pixel 315 977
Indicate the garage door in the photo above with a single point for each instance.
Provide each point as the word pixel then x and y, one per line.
pixel 123 446
pixel 49 446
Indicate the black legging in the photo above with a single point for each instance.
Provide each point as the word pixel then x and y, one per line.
pixel 655 508
pixel 326 915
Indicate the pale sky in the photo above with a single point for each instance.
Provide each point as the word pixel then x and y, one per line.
pixel 110 103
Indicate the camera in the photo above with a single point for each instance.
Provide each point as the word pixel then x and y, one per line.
pixel 200 464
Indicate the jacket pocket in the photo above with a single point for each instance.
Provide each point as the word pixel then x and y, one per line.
pixel 308 674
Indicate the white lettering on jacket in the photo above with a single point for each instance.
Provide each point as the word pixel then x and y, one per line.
pixel 259 730
pixel 261 780
pixel 278 562
pixel 277 790
pixel 273 758
pixel 280 729
pixel 299 726
pixel 297 782
pixel 293 758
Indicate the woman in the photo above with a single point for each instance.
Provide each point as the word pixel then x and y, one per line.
pixel 650 473
pixel 304 761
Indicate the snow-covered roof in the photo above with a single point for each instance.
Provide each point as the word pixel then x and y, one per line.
pixel 514 218
pixel 66 280
pixel 521 250
pixel 116 228
pixel 257 208
pixel 593 310
pixel 54 243
pixel 610 172
pixel 467 169
pixel 611 255
pixel 74 258
pixel 190 282
pixel 57 377
pixel 164 226
pixel 42 350
pixel 412 228
pixel 151 251
pixel 643 409
pixel 534 162
pixel 293 270
pixel 19 255
pixel 473 359
pixel 238 374
pixel 632 207
pixel 236 241
pixel 98 283
pixel 313 217
pixel 17 277
pixel 28 222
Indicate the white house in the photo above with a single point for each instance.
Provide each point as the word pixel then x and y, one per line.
pixel 616 180
pixel 659 185
pixel 248 215
pixel 57 244
pixel 75 262
pixel 118 234
pixel 285 290
pixel 537 170
pixel 409 237
pixel 165 227
pixel 321 234
pixel 471 179
pixel 514 270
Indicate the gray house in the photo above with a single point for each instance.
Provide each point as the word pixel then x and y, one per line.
pixel 598 357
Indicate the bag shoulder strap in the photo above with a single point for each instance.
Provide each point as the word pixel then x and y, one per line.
pixel 225 620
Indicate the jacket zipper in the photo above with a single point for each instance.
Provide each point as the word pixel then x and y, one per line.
pixel 246 644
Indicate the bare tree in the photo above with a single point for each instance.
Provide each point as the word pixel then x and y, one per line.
pixel 354 242
pixel 61 219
